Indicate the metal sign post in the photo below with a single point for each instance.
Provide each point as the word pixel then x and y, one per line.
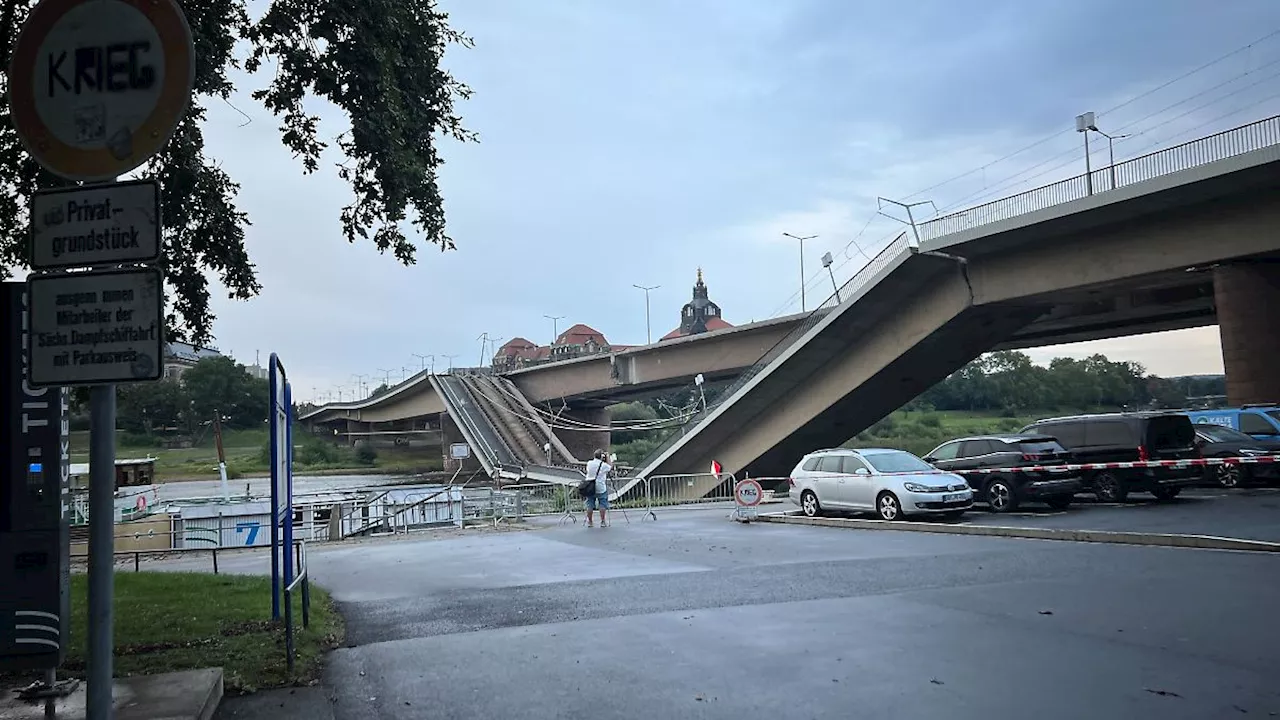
pixel 281 419
pixel 96 88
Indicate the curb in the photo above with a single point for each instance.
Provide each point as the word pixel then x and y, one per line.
pixel 1201 542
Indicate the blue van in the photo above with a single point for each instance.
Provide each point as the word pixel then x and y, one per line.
pixel 1260 421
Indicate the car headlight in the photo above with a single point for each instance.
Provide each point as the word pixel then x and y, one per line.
pixel 918 488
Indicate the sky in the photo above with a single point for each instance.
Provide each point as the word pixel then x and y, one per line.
pixel 629 144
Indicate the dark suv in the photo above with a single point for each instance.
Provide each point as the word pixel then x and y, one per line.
pixel 1004 491
pixel 1128 437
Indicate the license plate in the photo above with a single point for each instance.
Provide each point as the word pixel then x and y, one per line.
pixel 955 497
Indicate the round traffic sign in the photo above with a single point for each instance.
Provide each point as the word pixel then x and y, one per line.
pixel 748 492
pixel 98 86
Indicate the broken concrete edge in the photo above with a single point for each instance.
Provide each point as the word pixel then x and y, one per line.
pixel 1200 542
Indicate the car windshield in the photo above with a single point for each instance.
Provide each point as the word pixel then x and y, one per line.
pixel 897 462
pixel 1217 433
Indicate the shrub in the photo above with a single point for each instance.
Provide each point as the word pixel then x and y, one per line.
pixel 366 454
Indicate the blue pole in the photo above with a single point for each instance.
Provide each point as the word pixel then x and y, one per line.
pixel 275 528
pixel 287 548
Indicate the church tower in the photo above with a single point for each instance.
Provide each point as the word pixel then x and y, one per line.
pixel 698 311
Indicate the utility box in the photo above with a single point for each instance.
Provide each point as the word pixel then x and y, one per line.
pixel 35 600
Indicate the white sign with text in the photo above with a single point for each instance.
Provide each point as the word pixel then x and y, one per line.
pixel 97 225
pixel 96 327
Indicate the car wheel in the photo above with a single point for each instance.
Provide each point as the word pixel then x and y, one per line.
pixel 888 507
pixel 1166 494
pixel 1001 496
pixel 1107 488
pixel 1228 476
pixel 809 504
pixel 1059 503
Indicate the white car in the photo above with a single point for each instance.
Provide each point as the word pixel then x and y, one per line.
pixel 891 483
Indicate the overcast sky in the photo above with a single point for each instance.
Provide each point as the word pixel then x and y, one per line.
pixel 631 143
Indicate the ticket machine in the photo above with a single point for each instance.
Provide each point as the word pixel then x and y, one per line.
pixel 34 492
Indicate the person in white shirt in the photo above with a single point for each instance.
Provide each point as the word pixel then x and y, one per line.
pixel 598 469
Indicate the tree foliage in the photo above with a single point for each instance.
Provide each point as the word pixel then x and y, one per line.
pixel 215 386
pixel 1009 381
pixel 377 61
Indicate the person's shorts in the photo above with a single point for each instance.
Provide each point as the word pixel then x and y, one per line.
pixel 599 501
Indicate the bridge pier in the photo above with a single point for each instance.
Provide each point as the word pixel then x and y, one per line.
pixel 584 442
pixel 1246 294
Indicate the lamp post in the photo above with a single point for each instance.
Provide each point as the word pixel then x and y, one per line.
pixel 359 385
pixel 826 263
pixel 801 239
pixel 555 326
pixel 648 333
pixel 1085 123
pixel 450 359
pixel 424 359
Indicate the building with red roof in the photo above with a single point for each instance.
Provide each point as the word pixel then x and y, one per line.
pixel 578 341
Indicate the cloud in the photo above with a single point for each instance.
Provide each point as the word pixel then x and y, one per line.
pixel 625 145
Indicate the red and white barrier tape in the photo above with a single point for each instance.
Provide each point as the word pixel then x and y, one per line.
pixel 1194 462
pixel 1077 467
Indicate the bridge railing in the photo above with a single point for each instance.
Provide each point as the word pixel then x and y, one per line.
pixel 847 291
pixel 1201 151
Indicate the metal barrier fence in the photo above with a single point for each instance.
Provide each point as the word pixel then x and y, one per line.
pixel 849 291
pixel 1201 151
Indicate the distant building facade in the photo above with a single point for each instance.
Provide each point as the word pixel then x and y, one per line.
pixel 698 315
pixel 578 341
pixel 180 357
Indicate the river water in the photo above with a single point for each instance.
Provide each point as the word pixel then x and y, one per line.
pixel 261 487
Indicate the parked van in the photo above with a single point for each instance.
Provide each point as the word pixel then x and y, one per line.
pixel 1260 421
pixel 1128 437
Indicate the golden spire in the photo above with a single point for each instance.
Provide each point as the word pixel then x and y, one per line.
pixel 699 276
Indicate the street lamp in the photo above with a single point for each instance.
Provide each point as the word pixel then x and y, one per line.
pixel 826 263
pixel 424 359
pixel 386 376
pixel 648 334
pixel 555 326
pixel 1085 123
pixel 360 385
pixel 801 239
pixel 450 359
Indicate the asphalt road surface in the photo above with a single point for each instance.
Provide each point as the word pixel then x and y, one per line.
pixel 1247 513
pixel 694 616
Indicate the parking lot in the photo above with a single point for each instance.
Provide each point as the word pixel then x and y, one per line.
pixel 1244 513
pixel 693 615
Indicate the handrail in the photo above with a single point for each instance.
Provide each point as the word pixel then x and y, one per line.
pixel 302 579
pixel 1193 153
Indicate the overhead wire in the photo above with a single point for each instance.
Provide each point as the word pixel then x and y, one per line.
pixel 1126 103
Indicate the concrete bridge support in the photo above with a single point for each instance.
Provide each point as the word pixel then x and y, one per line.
pixel 1247 294
pixel 583 442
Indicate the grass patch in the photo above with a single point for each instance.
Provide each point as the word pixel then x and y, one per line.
pixel 180 621
pixel 247 454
